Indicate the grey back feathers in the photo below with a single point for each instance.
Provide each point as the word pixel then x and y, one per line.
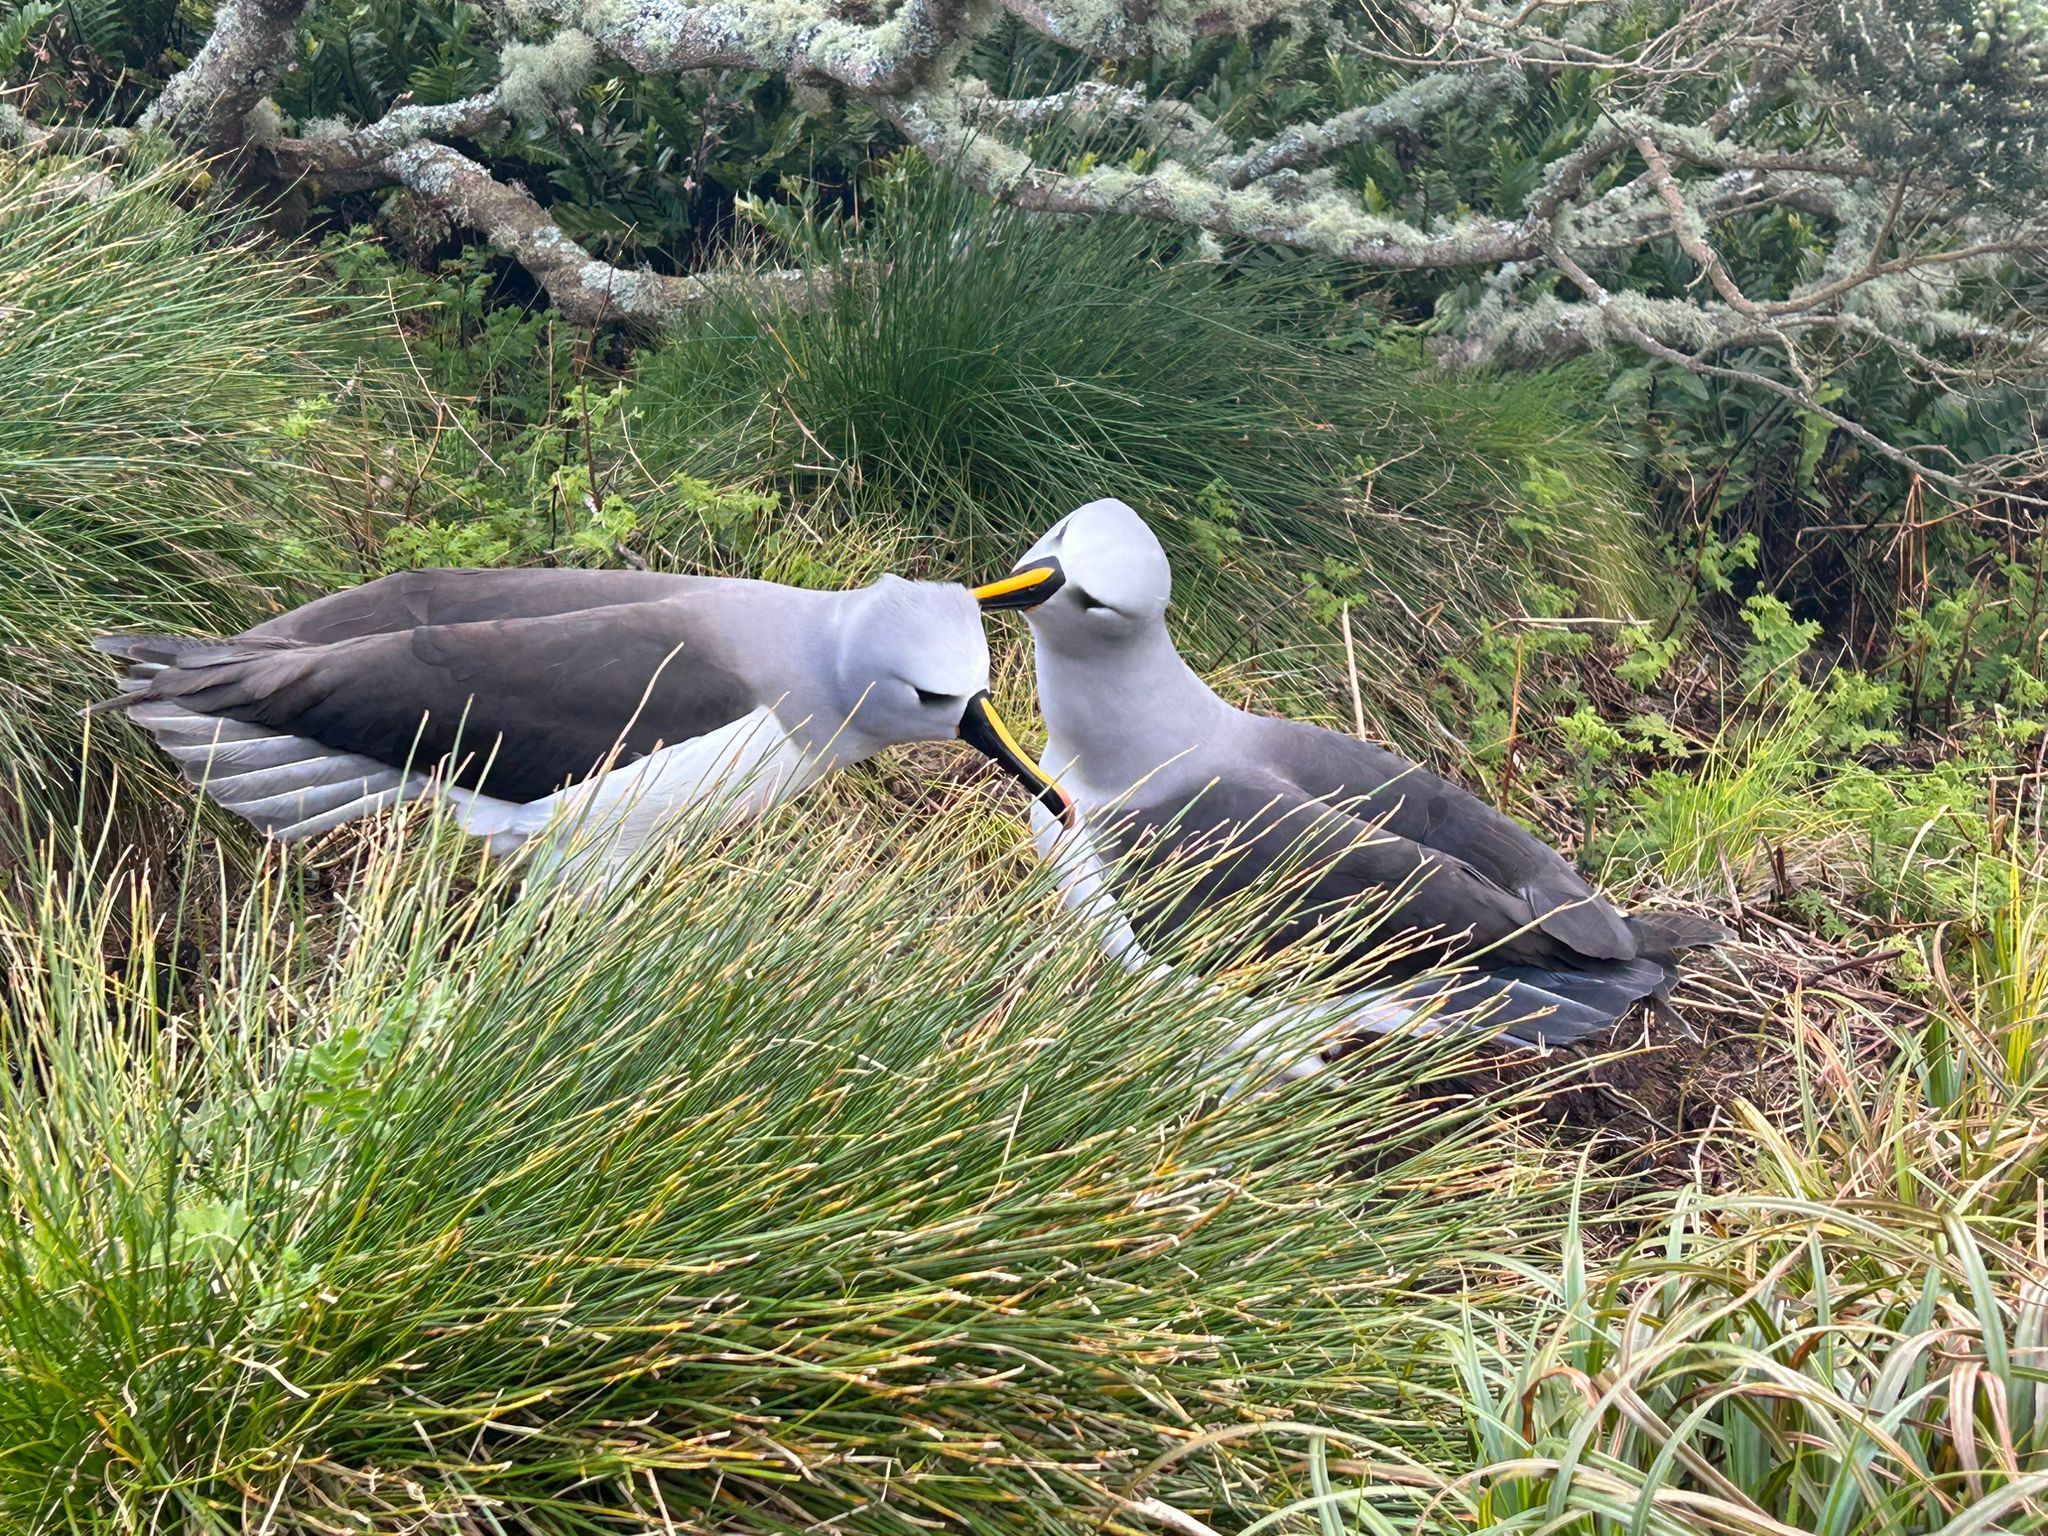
pixel 506 687
pixel 1169 777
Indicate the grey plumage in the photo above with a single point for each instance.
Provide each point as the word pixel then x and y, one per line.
pixel 506 689
pixel 1169 777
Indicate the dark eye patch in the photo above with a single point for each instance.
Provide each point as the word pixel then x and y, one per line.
pixel 1089 604
pixel 926 696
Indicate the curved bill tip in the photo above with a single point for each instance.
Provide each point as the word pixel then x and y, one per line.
pixel 983 729
pixel 1025 587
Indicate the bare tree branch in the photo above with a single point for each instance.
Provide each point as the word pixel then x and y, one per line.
pixel 1688 230
pixel 586 290
pixel 1802 398
pixel 31 139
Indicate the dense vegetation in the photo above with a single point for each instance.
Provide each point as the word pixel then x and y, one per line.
pixel 827 1177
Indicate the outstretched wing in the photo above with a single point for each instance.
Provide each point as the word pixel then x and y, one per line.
pixel 1434 814
pixel 516 708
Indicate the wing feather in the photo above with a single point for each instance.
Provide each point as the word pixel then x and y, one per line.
pixel 1430 811
pixel 518 706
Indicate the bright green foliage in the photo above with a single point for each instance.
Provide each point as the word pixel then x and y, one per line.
pixel 515 455
pixel 822 1179
pixel 1850 1367
pixel 159 467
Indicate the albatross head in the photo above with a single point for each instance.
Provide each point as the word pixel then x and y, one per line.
pixel 913 666
pixel 1096 581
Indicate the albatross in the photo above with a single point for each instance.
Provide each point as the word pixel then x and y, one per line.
pixel 1299 823
pixel 606 701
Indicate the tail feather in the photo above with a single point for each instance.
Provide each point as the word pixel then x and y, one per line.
pixel 1538 1005
pixel 1519 1008
pixel 159 649
pixel 184 650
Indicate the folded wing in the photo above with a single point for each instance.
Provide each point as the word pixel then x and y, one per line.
pixel 1434 814
pixel 300 737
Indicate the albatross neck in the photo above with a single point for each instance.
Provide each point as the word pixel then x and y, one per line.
pixel 789 643
pixel 1116 713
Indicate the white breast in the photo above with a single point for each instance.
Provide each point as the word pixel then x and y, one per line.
pixel 733 774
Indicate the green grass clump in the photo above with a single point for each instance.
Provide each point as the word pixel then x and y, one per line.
pixel 156 465
pixel 975 373
pixel 799 1184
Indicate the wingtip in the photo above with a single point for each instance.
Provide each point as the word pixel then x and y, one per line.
pixel 161 649
pixel 1661 934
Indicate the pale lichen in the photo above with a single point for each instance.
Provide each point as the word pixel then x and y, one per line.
pixel 538 77
pixel 265 123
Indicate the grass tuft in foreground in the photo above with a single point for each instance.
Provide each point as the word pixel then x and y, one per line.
pixel 806 1184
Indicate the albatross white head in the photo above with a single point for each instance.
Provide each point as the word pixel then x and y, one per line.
pixel 912 665
pixel 1097 582
pixel 1119 702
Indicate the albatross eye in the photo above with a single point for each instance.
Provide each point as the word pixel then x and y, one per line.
pixel 926 696
pixel 1089 604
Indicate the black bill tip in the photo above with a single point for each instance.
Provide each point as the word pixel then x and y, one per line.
pixel 983 729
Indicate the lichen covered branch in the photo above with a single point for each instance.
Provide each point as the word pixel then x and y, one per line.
pixel 1685 139
pixel 207 104
pixel 1308 144
pixel 586 290
pixel 340 150
pixel 805 42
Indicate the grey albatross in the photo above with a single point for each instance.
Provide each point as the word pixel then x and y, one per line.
pixel 1161 771
pixel 609 701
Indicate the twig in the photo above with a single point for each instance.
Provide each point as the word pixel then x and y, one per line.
pixel 1507 775
pixel 1161 1513
pixel 1351 670
pixel 1854 963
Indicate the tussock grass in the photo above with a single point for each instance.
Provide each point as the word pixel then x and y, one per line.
pixel 816 1180
pixel 155 469
pixel 976 373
